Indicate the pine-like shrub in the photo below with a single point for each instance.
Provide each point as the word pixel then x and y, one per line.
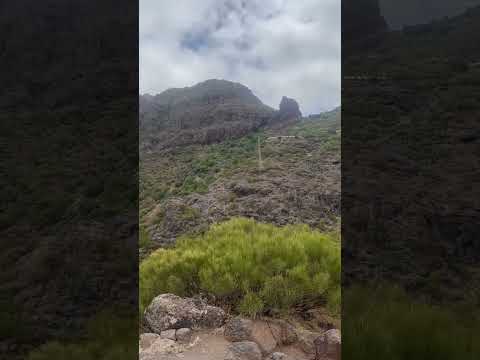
pixel 250 266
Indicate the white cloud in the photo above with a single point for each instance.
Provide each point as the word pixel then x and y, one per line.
pixel 275 47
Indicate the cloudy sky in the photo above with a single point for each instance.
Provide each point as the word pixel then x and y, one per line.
pixel 275 47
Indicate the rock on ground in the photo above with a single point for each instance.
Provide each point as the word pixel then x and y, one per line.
pixel 168 311
pixel 184 335
pixel 278 356
pixel 262 334
pixel 168 334
pixel 238 329
pixel 243 350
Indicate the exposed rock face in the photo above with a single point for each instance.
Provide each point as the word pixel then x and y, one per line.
pixel 208 112
pixel 168 311
pixel 289 109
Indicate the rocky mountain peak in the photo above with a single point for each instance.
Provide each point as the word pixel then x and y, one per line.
pixel 289 109
pixel 210 111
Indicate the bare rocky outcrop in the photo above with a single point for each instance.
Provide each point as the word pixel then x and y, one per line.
pixel 168 311
pixel 289 109
pixel 208 112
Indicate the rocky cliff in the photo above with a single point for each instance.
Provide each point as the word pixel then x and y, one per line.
pixel 208 112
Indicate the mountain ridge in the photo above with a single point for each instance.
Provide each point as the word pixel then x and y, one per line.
pixel 210 111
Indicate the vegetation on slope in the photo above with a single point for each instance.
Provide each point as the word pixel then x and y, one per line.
pixel 251 267
pixel 193 169
pixel 384 323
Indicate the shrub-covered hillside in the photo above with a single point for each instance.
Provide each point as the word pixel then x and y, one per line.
pixel 297 181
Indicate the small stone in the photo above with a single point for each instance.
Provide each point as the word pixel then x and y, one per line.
pixel 278 356
pixel 184 335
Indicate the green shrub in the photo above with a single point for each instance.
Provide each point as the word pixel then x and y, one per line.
pixel 384 323
pixel 251 305
pixel 250 266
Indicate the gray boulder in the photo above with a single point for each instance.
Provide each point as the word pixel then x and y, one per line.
pixel 168 311
pixel 238 329
pixel 243 350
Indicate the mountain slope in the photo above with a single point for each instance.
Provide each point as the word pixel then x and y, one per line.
pixel 297 181
pixel 208 112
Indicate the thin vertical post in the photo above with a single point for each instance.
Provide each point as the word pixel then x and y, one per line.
pixel 260 161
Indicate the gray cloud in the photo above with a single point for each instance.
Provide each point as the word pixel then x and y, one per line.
pixel 275 47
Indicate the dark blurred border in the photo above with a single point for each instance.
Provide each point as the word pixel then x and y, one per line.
pixel 410 209
pixel 69 189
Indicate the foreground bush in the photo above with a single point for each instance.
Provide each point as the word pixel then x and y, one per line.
pixel 384 323
pixel 254 267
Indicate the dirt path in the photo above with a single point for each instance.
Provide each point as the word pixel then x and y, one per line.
pixel 207 346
